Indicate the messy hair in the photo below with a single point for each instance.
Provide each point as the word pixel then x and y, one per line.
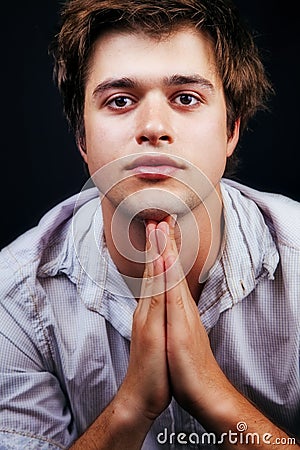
pixel 238 63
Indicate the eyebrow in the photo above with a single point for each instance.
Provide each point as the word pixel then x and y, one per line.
pixel 179 80
pixel 173 80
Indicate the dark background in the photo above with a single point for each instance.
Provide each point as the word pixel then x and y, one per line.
pixel 40 164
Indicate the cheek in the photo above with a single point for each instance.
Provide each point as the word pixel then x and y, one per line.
pixel 208 150
pixel 208 143
pixel 102 144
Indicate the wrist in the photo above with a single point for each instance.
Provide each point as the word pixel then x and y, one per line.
pixel 224 408
pixel 131 414
pixel 221 404
pixel 118 426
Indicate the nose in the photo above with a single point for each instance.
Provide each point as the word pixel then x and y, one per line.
pixel 154 125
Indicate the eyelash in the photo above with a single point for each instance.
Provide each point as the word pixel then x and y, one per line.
pixel 194 97
pixel 109 103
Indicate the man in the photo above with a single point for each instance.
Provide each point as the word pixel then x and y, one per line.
pixel 167 313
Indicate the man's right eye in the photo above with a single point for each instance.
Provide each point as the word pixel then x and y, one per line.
pixel 120 102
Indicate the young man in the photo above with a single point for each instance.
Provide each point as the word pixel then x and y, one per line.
pixel 167 312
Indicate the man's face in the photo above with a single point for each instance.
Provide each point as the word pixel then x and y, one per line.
pixel 155 121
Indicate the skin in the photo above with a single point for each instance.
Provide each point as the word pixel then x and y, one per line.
pixel 156 120
pixel 170 351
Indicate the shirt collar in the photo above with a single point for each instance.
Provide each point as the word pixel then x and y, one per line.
pixel 248 255
pixel 99 284
pixel 244 260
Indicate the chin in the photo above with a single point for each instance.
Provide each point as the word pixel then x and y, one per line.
pixel 152 203
pixel 155 214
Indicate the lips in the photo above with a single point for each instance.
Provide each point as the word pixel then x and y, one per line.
pixel 154 167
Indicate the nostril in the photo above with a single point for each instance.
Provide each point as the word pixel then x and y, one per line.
pixel 153 139
pixel 144 139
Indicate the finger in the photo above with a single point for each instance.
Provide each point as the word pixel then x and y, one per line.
pixel 167 229
pixel 175 278
pixel 153 283
pixel 150 248
pixel 178 292
pixel 171 221
pixel 181 309
pixel 162 232
pixel 170 252
pixel 150 256
pixel 152 305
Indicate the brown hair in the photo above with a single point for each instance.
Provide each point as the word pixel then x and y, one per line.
pixel 238 62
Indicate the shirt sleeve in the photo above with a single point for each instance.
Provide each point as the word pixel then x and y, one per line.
pixel 34 406
pixel 12 441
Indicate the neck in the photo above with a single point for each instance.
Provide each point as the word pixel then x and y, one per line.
pixel 198 236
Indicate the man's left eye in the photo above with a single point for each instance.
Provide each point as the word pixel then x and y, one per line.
pixel 186 100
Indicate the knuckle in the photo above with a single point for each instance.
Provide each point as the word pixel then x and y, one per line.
pixel 155 301
pixel 179 302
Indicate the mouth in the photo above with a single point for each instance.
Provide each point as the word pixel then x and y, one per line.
pixel 154 167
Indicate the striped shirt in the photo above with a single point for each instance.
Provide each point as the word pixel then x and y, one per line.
pixel 66 316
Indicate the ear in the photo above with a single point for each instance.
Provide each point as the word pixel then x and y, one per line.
pixel 81 147
pixel 233 139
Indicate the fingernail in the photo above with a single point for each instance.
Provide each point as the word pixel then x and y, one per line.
pixel 147 231
pixel 161 239
pixel 166 228
pixel 173 220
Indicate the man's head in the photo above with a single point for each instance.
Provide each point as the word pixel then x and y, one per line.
pixel 237 61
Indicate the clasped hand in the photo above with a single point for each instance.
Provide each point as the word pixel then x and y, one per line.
pixel 170 353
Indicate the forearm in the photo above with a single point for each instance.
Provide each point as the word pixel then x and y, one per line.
pixel 237 423
pixel 124 424
pixel 118 427
pixel 198 383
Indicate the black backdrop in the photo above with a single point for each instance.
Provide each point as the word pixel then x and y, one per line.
pixel 40 164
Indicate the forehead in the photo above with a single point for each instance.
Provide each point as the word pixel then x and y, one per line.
pixel 134 54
